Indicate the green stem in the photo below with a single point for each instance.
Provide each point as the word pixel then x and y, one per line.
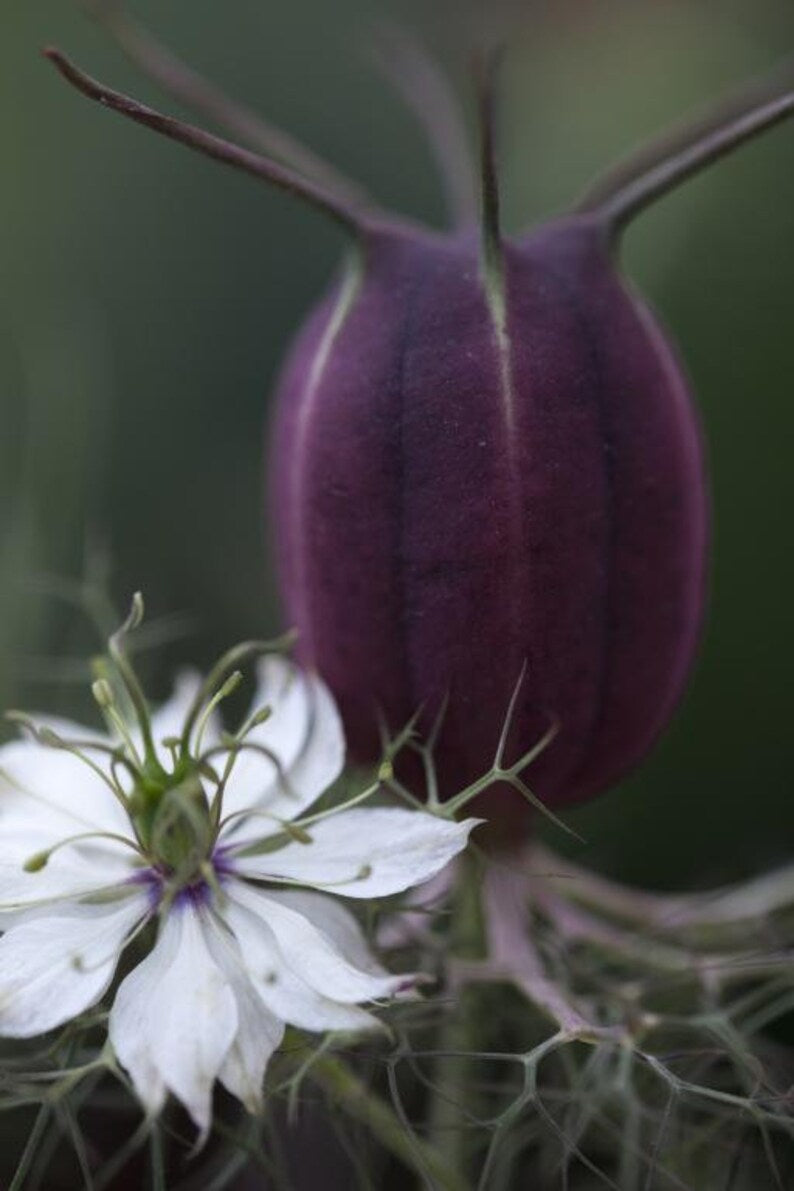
pixel 356 1098
pixel 455 1042
pixel 31 1148
pixel 449 1079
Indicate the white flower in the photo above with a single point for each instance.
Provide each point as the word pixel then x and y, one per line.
pixel 210 839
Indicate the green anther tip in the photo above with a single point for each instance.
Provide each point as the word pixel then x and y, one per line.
pixel 299 834
pixel 50 738
pixel 231 684
pixel 22 719
pixel 36 862
pixel 137 610
pixel 260 717
pixel 103 693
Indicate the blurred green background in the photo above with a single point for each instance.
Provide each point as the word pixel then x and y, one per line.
pixel 148 296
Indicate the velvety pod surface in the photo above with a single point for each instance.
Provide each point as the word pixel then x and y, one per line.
pixel 463 486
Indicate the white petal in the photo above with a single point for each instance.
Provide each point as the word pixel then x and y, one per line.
pixel 335 920
pixel 288 996
pixel 310 954
pixel 283 687
pixel 259 1031
pixel 365 852
pixel 175 1018
pixel 53 794
pixel 55 966
pixel 304 733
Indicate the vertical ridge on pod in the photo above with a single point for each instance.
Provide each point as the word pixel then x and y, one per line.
pixel 348 290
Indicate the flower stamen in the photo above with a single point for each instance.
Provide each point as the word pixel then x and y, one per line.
pixel 39 860
pixel 227 688
pixel 231 660
pixel 130 678
pixel 106 701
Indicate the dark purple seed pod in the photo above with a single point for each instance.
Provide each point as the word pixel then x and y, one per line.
pixel 478 490
pixel 486 464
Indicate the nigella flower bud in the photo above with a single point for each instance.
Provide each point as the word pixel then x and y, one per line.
pixel 486 458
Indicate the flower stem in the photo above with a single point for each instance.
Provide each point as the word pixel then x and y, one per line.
pixel 449 1081
pixel 457 1034
pixel 356 1098
pixel 31 1147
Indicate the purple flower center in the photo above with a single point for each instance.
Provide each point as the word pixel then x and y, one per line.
pixel 196 893
pixel 152 881
pixel 222 861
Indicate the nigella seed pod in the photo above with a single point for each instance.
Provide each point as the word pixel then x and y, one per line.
pixel 486 462
pixel 467 488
